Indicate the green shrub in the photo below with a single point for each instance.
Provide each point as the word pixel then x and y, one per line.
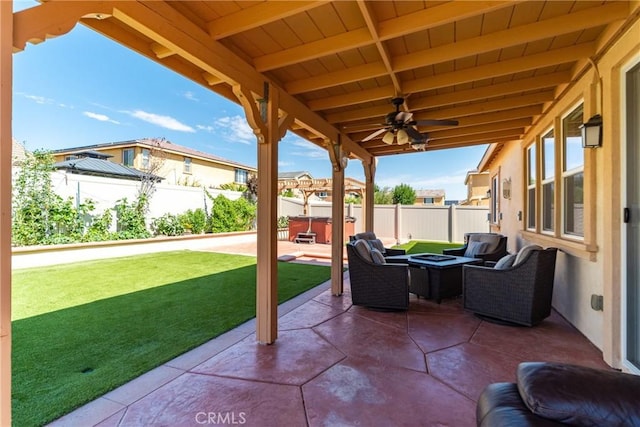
pixel 167 225
pixel 231 215
pixel 194 220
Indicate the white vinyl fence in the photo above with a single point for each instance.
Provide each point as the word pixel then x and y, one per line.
pixel 405 222
pixel 401 222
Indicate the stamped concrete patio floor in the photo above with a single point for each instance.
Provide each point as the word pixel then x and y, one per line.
pixel 335 364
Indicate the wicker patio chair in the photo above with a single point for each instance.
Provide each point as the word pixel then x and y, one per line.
pixel 377 243
pixel 520 294
pixel 495 247
pixel 381 286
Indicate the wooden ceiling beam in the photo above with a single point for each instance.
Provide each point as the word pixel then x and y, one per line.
pixel 50 19
pixel 548 28
pixel 502 68
pixel 484 92
pixel 482 72
pixel 474 120
pixel 520 123
pixel 256 16
pixel 392 28
pixel 348 75
pixel 368 15
pixel 166 26
pixel 537 98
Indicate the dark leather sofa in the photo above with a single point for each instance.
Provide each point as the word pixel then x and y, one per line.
pixel 554 394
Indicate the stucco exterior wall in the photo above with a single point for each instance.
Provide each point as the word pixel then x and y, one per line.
pixel 590 266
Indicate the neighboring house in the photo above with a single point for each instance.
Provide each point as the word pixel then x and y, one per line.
pixel 430 197
pixel 175 163
pixel 95 163
pixel 477 189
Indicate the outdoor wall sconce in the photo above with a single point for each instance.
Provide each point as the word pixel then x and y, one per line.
pixel 488 193
pixel 506 188
pixel 592 132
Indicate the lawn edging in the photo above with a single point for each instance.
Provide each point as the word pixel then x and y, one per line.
pixel 40 256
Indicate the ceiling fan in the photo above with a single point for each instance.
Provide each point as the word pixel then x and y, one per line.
pixel 399 125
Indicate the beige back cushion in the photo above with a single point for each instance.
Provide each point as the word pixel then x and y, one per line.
pixel 362 247
pixel 492 240
pixel 522 253
pixel 367 235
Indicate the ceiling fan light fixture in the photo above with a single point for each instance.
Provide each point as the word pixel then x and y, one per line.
pixel 388 138
pixel 403 137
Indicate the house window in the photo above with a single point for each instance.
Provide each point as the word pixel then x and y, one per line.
pixel 145 159
pixel 321 194
pixel 495 200
pixel 548 177
pixel 70 157
pixel 241 176
pixel 127 157
pixel 531 187
pixel 573 174
pixel 187 165
pixel 428 200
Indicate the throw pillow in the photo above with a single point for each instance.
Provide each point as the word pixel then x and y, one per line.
pixel 362 247
pixel 475 248
pixel 376 244
pixel 522 253
pixel 377 257
pixel 505 262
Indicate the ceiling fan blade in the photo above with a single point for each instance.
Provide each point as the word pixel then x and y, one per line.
pixel 374 134
pixel 436 123
pixel 414 134
pixel 404 117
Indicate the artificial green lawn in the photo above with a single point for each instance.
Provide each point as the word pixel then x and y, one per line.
pixel 420 247
pixel 81 330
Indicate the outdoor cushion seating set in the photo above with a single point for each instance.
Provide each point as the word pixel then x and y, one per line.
pixel 514 289
pixel 496 285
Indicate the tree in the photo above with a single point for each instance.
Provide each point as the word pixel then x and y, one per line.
pixel 403 194
pixel 382 196
pixel 251 192
pixel 151 166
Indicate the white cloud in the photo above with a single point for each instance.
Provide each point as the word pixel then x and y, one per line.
pixel 99 117
pixel 37 99
pixel 190 96
pixel 209 129
pixel 283 163
pixel 235 128
pixel 162 121
pixel 307 149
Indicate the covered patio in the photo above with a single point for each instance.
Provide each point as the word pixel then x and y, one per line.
pixel 337 364
pixel 462 73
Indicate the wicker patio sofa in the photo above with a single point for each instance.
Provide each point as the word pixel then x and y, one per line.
pixel 487 246
pixel 376 284
pixel 520 294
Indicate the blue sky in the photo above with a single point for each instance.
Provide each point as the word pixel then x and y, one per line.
pixel 82 88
